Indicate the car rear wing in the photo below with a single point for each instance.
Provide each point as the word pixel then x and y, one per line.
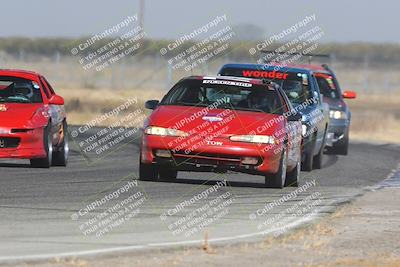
pixel 310 56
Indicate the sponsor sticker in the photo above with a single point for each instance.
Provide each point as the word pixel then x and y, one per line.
pixel 35 85
pixel 228 83
pixel 212 118
pixel 265 74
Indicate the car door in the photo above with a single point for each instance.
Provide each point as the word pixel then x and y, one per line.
pixel 293 133
pixel 56 113
pixel 321 116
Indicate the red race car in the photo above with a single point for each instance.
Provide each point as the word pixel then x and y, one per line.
pixel 222 124
pixel 33 121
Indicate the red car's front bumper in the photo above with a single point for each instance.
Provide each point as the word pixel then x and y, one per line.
pixel 200 156
pixel 22 144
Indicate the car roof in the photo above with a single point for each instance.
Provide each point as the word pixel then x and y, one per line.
pixel 286 68
pixel 313 67
pixel 226 78
pixel 19 73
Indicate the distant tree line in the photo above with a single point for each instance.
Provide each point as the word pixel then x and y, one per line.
pixel 355 52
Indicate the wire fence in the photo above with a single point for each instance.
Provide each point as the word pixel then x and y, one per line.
pixel 154 72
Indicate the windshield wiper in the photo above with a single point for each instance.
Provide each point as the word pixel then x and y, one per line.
pixel 228 106
pixel 187 104
pixel 18 101
pixel 248 109
pixel 221 106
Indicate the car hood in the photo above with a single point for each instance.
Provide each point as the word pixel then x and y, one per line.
pixel 336 104
pixel 225 122
pixel 308 110
pixel 311 115
pixel 17 114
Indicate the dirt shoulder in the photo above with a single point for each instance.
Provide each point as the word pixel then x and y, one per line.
pixel 363 233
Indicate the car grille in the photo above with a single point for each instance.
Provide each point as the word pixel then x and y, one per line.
pixel 9 142
pixel 207 159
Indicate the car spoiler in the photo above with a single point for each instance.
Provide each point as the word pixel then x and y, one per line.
pixel 310 56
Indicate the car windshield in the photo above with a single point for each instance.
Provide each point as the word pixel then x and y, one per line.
pixel 224 94
pixel 295 85
pixel 17 90
pixel 327 86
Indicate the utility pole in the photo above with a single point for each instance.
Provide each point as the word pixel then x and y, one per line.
pixel 141 14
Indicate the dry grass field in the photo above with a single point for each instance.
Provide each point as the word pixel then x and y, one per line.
pixel 376 118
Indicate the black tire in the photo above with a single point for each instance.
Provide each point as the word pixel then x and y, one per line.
pixel 342 146
pixel 167 174
pixel 292 177
pixel 48 146
pixel 277 180
pixel 60 156
pixel 147 172
pixel 317 161
pixel 307 164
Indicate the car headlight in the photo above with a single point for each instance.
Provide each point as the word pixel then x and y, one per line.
pixel 261 139
pixel 337 114
pixel 303 129
pixel 154 130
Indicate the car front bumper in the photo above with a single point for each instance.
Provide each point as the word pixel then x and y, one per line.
pixel 337 131
pixel 15 143
pixel 228 156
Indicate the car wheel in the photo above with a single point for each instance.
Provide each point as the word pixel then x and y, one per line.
pixel 292 177
pixel 317 161
pixel 307 164
pixel 48 146
pixel 147 172
pixel 277 180
pixel 60 157
pixel 341 147
pixel 167 174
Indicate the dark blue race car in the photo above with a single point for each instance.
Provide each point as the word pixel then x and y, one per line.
pixel 301 87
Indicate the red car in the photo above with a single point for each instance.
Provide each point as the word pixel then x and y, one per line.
pixel 33 122
pixel 222 124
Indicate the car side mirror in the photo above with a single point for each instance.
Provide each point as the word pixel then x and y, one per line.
pixel 56 100
pixel 151 104
pixel 349 94
pixel 317 96
pixel 294 117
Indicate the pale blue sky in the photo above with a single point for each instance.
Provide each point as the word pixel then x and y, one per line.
pixel 341 20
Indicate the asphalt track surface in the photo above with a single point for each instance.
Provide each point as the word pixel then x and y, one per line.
pixel 40 207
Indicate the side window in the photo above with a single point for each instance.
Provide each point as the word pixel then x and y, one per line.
pixel 49 86
pixel 45 89
pixel 326 87
pixel 323 86
pixel 316 89
pixel 285 103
